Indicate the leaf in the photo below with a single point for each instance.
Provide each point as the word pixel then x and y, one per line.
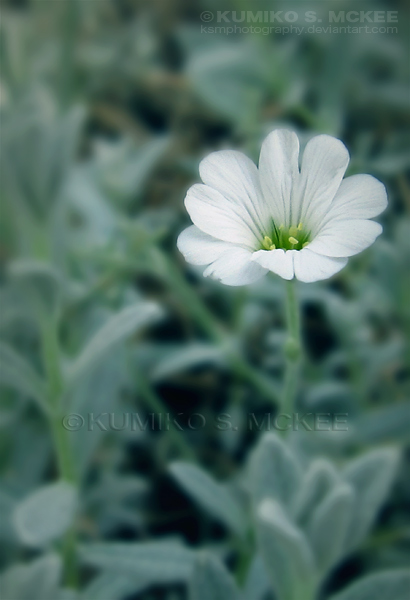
pixel 257 583
pixel 230 79
pixel 112 585
pixel 18 374
pixel 187 357
pixel 284 549
pixel 119 327
pixel 273 471
pixel 387 585
pixel 210 495
pixel 319 479
pixel 327 529
pixel 46 514
pixel 211 581
pixel 160 562
pixel 371 476
pixel 39 283
pixel 38 580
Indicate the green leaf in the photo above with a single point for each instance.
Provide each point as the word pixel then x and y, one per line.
pixel 18 374
pixel 119 327
pixel 371 476
pixel 211 581
pixel 387 585
pixel 319 479
pixel 38 580
pixel 257 583
pixel 40 284
pixel 327 529
pixel 114 586
pixel 160 562
pixel 210 495
pixel 274 472
pixel 187 357
pixel 285 551
pixel 46 514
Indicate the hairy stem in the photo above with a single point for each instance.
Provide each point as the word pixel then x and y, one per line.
pixel 293 349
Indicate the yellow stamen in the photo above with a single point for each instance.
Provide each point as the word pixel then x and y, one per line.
pixel 300 226
pixel 293 240
pixel 272 247
pixel 281 226
pixel 293 231
pixel 305 244
pixel 267 242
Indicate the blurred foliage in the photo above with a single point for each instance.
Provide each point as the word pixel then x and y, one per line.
pixel 107 108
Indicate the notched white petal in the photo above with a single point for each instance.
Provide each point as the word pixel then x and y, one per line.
pixel 199 248
pixel 219 217
pixel 277 261
pixel 310 267
pixel 279 171
pixel 235 268
pixel 358 197
pixel 344 238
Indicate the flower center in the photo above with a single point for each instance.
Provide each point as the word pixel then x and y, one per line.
pixel 286 238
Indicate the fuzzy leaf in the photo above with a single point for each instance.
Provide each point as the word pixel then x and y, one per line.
pixel 18 374
pixel 38 580
pixel 122 325
pixel 387 585
pixel 371 476
pixel 274 472
pixel 211 581
pixel 46 514
pixel 210 495
pixel 284 549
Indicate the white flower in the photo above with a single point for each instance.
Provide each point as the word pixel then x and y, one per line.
pixel 301 223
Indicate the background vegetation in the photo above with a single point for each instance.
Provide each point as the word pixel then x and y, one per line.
pixel 107 108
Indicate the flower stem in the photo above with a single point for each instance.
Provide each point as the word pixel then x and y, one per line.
pixel 63 451
pixel 293 348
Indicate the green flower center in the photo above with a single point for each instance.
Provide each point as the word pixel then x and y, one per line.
pixel 286 238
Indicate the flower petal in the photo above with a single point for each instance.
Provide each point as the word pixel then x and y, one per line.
pixel 236 177
pixel 277 261
pixel 235 268
pixel 279 171
pixel 324 163
pixel 341 238
pixel 358 197
pixel 310 266
pixel 199 248
pixel 218 216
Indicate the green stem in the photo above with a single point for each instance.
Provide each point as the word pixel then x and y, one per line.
pixel 211 327
pixel 293 349
pixel 156 405
pixel 68 34
pixel 51 356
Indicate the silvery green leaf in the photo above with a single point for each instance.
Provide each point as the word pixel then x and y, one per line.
pixel 114 586
pixel 160 562
pixel 210 495
pixel 46 514
pixel 371 477
pixel 316 483
pixel 187 357
pixel 39 283
pixel 273 471
pixel 387 423
pixel 18 374
pixel 257 583
pixel 211 581
pixel 285 551
pixel 387 585
pixel 328 526
pixel 37 580
pixel 122 325
pixel 229 78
